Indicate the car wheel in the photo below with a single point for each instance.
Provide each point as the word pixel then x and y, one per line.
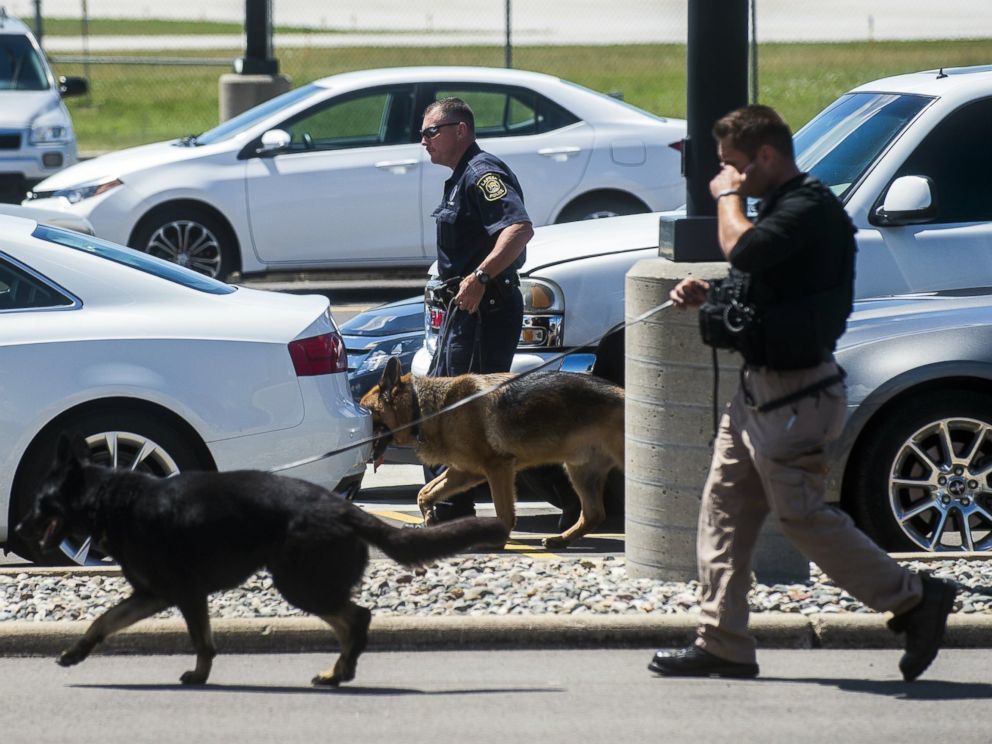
pixel 597 207
pixel 922 479
pixel 190 237
pixel 116 438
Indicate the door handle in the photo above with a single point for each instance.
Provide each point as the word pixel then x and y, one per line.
pixel 559 154
pixel 396 166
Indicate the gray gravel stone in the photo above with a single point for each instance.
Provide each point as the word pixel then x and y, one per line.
pixel 481 585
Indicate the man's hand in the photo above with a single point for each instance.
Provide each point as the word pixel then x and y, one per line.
pixel 470 292
pixel 728 178
pixel 690 292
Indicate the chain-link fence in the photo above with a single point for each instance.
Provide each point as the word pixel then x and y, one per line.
pixel 154 67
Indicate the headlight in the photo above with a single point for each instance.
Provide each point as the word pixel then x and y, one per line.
pixel 76 194
pixel 544 314
pixel 54 134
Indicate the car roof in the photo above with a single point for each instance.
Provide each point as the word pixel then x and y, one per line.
pixel 392 75
pixel 11 25
pixel 953 82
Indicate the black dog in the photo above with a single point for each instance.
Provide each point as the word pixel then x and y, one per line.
pixel 179 539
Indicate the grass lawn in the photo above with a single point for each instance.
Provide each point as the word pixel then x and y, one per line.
pixel 137 104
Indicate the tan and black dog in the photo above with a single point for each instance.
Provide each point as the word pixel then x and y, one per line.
pixel 554 418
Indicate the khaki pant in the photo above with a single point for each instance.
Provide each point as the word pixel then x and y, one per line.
pixel 775 461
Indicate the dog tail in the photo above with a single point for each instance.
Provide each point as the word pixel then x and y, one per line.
pixel 411 547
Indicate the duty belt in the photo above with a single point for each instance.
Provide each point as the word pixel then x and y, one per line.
pixel 798 395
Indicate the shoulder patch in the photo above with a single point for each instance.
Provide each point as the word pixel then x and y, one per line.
pixel 492 187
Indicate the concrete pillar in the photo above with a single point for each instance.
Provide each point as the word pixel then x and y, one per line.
pixel 240 92
pixel 669 425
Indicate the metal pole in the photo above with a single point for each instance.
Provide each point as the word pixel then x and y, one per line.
pixel 754 51
pixel 258 58
pixel 38 30
pixel 508 55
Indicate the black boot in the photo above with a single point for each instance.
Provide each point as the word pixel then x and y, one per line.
pixel 693 661
pixel 924 626
pixel 458 506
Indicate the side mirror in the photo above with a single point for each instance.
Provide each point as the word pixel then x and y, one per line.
pixel 73 86
pixel 273 142
pixel 909 201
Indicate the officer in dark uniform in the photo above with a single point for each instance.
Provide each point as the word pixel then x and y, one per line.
pixel 794 274
pixel 482 232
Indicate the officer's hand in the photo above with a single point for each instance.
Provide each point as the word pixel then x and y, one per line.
pixel 728 178
pixel 469 296
pixel 690 292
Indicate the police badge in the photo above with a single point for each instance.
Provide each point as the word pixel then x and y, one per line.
pixel 491 187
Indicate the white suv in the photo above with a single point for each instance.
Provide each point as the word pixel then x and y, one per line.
pixel 911 158
pixel 36 135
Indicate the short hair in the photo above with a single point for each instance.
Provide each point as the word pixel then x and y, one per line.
pixel 750 127
pixel 453 109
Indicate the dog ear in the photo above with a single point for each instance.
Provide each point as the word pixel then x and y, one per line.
pixel 390 378
pixel 71 449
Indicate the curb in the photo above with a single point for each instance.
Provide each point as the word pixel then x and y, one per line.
pixel 307 634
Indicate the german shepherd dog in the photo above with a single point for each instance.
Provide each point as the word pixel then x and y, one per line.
pixel 552 418
pixel 179 539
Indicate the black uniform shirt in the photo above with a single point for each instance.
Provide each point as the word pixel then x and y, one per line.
pixel 480 199
pixel 802 243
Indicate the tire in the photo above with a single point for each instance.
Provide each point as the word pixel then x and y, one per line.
pixel 191 237
pixel 597 207
pixel 921 479
pixel 117 437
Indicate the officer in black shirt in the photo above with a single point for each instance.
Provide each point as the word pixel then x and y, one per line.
pixel 482 232
pixel 795 266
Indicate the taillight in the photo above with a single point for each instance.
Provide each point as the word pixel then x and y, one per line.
pixel 319 355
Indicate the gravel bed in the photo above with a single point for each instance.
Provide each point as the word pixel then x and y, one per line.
pixel 479 585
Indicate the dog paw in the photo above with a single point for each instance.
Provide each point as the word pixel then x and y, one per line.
pixel 555 543
pixel 193 678
pixel 324 680
pixel 70 657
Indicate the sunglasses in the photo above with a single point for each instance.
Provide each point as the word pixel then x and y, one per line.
pixel 432 132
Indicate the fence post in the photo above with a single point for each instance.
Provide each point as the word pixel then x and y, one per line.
pixel 38 29
pixel 508 49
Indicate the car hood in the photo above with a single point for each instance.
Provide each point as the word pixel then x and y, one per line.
pixel 889 317
pixel 18 108
pixel 119 164
pixel 553 244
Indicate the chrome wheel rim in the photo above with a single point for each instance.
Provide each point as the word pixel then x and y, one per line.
pixel 188 244
pixel 600 214
pixel 122 450
pixel 939 488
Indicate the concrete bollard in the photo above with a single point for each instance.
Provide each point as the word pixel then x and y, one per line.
pixel 669 425
pixel 239 93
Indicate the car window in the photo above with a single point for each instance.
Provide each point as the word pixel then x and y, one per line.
pixel 135 259
pixel 21 68
pixel 957 157
pixel 21 290
pixel 840 144
pixel 502 111
pixel 369 119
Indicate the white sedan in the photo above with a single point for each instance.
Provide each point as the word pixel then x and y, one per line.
pixel 162 369
pixel 333 175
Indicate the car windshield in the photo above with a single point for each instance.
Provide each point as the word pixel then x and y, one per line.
pixel 615 98
pixel 397 317
pixel 135 259
pixel 842 142
pixel 20 66
pixel 252 116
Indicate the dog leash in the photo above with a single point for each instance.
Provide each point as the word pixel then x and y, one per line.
pixel 475 396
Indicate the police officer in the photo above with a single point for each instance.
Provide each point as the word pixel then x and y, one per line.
pixel 482 232
pixel 798 261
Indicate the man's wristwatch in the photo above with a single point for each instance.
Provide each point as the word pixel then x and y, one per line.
pixel 482 276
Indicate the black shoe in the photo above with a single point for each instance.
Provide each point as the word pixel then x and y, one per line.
pixel 693 661
pixel 445 511
pixel 924 626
